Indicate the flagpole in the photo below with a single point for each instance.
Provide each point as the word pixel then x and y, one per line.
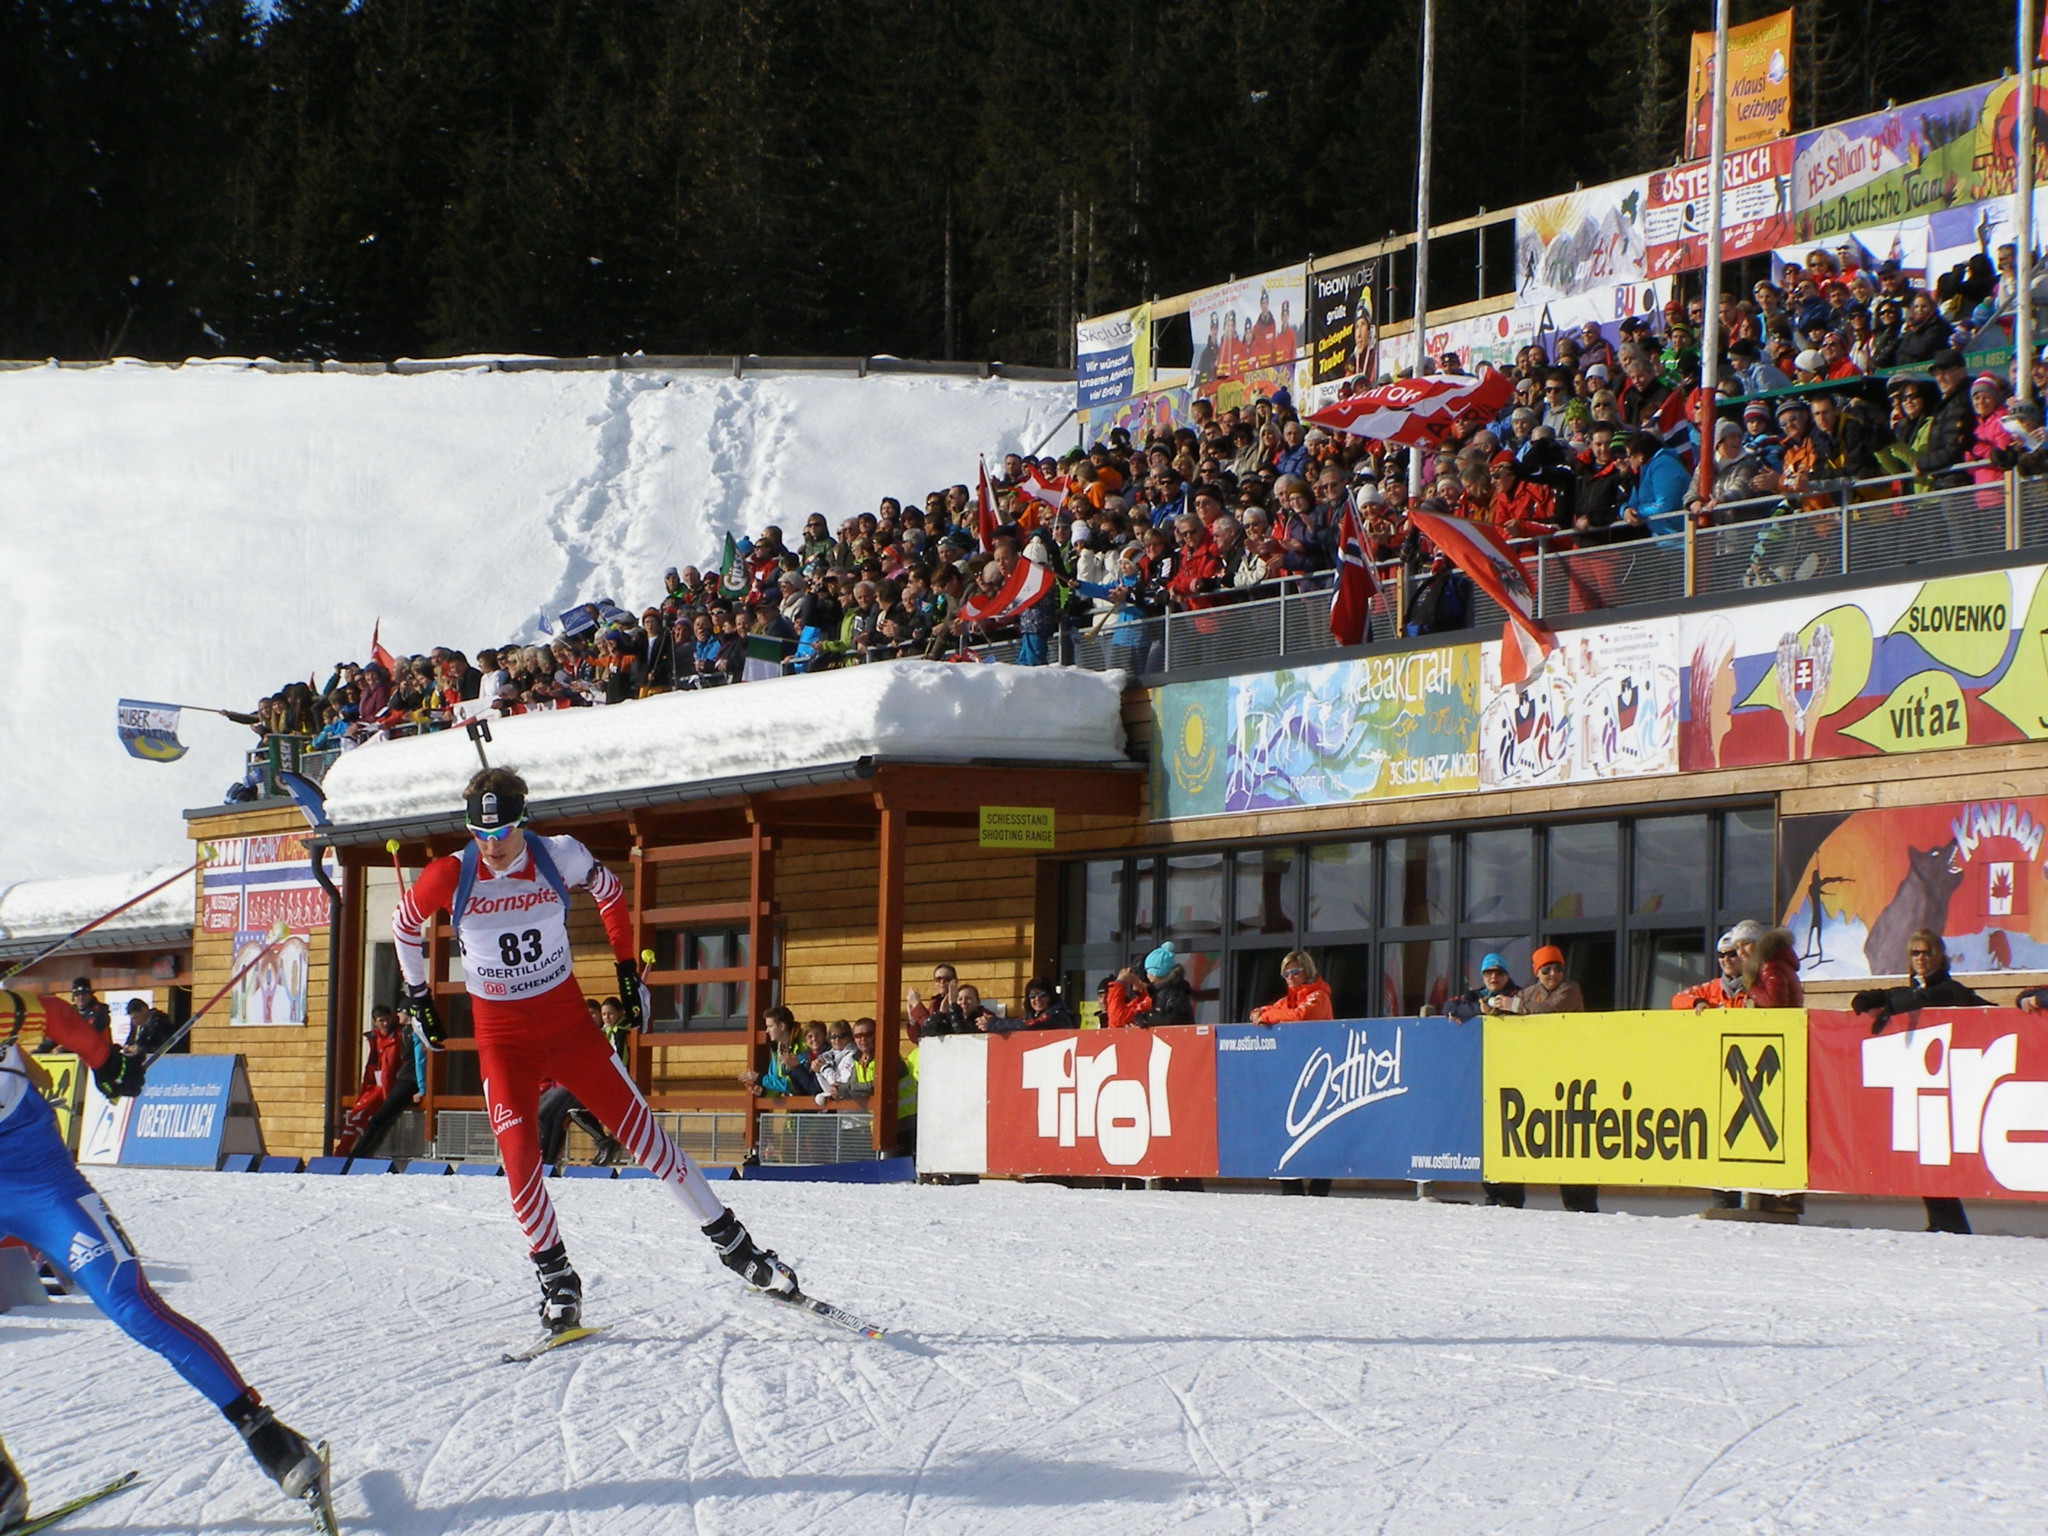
pixel 1710 321
pixel 1424 134
pixel 2023 209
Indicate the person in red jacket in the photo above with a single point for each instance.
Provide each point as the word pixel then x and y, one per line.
pixel 380 1078
pixel 507 896
pixel 1198 569
pixel 1308 995
pixel 1771 973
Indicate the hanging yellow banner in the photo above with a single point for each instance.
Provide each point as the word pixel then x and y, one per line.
pixel 1759 85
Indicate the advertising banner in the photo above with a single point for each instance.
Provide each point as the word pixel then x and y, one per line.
pixel 1367 1099
pixel 1134 1102
pixel 256 882
pixel 1957 1105
pixel 1756 209
pixel 1248 336
pixel 1713 1101
pixel 182 1113
pixel 1376 728
pixel 1908 162
pixel 1112 357
pixel 272 991
pixel 1604 705
pixel 1955 662
pixel 65 1093
pixel 1584 242
pixel 1162 410
pixel 1343 331
pixel 1759 104
pixel 1858 884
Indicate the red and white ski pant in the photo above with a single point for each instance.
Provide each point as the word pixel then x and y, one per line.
pixel 551 1037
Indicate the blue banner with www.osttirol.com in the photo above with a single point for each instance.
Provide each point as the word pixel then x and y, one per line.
pixel 1353 1099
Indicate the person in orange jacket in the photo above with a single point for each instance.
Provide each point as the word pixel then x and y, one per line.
pixel 1726 990
pixel 1308 995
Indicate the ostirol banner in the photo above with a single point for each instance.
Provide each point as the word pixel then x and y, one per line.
pixel 1360 1099
pixel 1136 1102
pixel 1956 1104
pixel 1714 1100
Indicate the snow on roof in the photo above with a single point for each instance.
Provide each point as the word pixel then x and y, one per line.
pixel 928 711
pixel 48 909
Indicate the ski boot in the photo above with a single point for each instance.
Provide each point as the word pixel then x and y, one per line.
pixel 285 1455
pixel 756 1265
pixel 561 1290
pixel 13 1493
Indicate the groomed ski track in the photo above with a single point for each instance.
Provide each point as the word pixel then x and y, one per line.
pixel 1070 1361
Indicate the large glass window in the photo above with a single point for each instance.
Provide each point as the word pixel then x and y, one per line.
pixel 1582 868
pixel 1339 887
pixel 1418 882
pixel 1094 899
pixel 1264 892
pixel 1499 877
pixel 1749 853
pixel 1674 865
pixel 1415 975
pixel 1144 923
pixel 1194 899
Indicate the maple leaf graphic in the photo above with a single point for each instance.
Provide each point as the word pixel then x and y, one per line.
pixel 2001 885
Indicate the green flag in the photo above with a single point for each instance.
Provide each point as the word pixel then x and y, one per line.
pixel 732 576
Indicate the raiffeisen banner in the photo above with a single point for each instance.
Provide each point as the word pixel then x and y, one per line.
pixel 1701 1100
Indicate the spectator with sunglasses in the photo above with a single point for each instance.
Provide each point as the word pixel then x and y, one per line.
pixel 1723 991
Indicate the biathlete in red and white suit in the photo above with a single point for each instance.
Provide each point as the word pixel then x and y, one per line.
pixel 507 895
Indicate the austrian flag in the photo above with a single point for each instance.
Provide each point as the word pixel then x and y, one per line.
pixel 1053 493
pixel 1027 585
pixel 1482 553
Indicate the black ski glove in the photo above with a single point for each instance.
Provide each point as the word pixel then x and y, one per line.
pixel 120 1075
pixel 629 995
pixel 426 1018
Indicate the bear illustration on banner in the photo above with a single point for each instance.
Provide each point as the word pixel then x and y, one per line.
pixel 1913 667
pixel 1858 886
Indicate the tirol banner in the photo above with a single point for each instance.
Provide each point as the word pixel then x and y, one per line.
pixel 1959 661
pixel 1604 705
pixel 1343 331
pixel 1858 884
pixel 1585 241
pixel 1957 1105
pixel 1366 1099
pixel 1703 1100
pixel 1375 728
pixel 1112 357
pixel 1248 336
pixel 1912 161
pixel 1759 100
pixel 1134 1102
pixel 1756 209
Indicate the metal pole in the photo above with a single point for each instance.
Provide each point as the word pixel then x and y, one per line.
pixel 1424 133
pixel 2023 212
pixel 1710 324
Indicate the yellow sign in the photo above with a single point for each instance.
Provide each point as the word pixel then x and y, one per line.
pixel 1715 1100
pixel 66 1085
pixel 1759 104
pixel 1016 826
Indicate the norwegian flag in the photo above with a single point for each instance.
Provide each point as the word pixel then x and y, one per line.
pixel 985 510
pixel 1028 583
pixel 1357 583
pixel 1481 551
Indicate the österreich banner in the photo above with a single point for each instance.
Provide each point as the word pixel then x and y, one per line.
pixel 1759 85
pixel 1956 1104
pixel 1136 1102
pixel 1705 1100
pixel 1364 1099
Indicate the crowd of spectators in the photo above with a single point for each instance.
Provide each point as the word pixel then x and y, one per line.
pixel 1598 444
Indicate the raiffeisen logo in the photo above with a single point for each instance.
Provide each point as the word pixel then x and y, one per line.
pixel 1329 1087
pixel 1080 1097
pixel 1950 1102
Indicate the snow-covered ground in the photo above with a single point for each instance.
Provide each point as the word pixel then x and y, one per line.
pixel 1061 1362
pixel 204 535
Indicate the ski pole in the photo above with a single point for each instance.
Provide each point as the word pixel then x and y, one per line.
pixel 391 847
pixel 78 933
pixel 279 935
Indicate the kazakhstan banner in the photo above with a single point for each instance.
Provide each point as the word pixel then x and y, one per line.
pixel 1714 1100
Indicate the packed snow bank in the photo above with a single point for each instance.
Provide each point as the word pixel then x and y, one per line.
pixel 1063 1361
pixel 204 535
pixel 934 711
pixel 47 909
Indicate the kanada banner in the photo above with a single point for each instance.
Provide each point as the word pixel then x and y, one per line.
pixel 1136 1102
pixel 1956 1104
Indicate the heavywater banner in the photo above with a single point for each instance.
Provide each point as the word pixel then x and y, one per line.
pixel 1857 885
pixel 1955 1105
pixel 1343 334
pixel 1362 1099
pixel 1374 728
pixel 1714 1100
